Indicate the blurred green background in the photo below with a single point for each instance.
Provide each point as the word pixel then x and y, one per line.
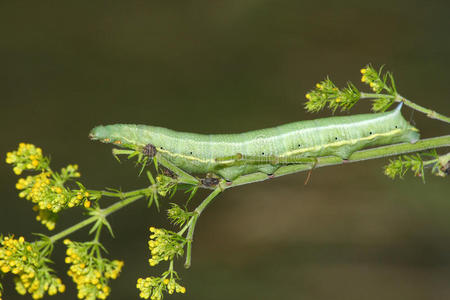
pixel 230 66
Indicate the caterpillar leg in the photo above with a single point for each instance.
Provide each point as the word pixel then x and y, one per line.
pixel 179 172
pixel 297 160
pixel 232 172
pixel 166 167
pixel 269 170
pixel 239 164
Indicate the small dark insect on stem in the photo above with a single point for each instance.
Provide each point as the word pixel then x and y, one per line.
pixel 167 172
pixel 210 181
pixel 149 150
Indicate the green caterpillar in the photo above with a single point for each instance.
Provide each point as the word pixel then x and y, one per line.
pixel 265 150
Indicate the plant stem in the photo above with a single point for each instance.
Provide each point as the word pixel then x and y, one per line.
pixel 374 95
pixel 72 229
pixel 121 194
pixel 398 98
pixel 430 113
pixel 105 212
pixel 97 232
pixel 193 221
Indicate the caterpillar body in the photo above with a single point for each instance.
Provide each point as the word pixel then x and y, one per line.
pixel 265 150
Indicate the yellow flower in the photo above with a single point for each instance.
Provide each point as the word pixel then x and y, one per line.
pixel 5 269
pixel 25 157
pixel 10 157
pixel 363 71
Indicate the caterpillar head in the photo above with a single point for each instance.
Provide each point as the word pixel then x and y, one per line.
pixel 104 134
pixel 99 133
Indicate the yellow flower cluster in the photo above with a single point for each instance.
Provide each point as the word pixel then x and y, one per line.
pixel 91 274
pixel 50 193
pixel 81 196
pixel 40 189
pixel 26 157
pixel 371 77
pixel 166 184
pixel 394 168
pixel 172 286
pixel 47 190
pixel 46 217
pixel 25 261
pixel 401 165
pixel 71 171
pixel 153 287
pixel 164 245
pixel 321 95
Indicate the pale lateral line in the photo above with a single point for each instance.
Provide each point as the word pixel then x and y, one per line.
pixel 340 143
pixel 286 154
